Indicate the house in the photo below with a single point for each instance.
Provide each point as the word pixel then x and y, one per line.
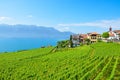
pixel 76 39
pixel 81 38
pixel 114 35
pixel 117 34
pixel 94 36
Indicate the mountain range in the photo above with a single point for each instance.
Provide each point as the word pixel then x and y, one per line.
pixel 31 31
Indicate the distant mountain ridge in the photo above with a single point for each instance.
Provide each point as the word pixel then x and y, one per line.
pixel 30 31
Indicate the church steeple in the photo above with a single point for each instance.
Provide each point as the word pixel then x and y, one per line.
pixel 110 29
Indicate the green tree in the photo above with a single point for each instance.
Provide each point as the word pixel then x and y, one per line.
pixel 71 43
pixel 62 44
pixel 105 35
pixel 87 41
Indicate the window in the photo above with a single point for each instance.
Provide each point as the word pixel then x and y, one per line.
pixel 93 37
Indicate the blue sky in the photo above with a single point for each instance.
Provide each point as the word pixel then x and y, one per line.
pixel 78 16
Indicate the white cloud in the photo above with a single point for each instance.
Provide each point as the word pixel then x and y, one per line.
pixel 62 29
pixel 2 18
pixel 100 23
pixel 29 16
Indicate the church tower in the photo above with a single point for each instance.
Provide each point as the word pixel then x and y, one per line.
pixel 110 29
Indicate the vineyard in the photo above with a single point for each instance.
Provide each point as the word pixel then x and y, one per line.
pixel 99 61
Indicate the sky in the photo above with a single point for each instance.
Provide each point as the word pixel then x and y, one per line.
pixel 78 16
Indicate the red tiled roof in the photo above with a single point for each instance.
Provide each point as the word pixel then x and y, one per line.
pixel 93 33
pixel 84 36
pixel 117 31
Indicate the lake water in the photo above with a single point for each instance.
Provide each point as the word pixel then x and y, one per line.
pixel 15 44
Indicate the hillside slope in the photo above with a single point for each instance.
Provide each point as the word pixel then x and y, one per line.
pixel 31 31
pixel 94 62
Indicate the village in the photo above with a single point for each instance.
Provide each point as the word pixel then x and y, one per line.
pixel 79 39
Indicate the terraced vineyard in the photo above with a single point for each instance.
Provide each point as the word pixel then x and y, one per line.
pixel 100 61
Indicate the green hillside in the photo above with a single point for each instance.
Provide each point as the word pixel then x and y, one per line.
pixel 99 61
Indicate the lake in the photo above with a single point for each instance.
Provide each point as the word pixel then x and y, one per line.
pixel 15 44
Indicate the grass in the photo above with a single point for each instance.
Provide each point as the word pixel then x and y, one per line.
pixel 99 61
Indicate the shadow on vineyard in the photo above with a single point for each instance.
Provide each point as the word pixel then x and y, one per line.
pixel 98 61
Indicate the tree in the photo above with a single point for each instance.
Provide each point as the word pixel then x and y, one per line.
pixel 62 44
pixel 105 35
pixel 87 41
pixel 71 43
